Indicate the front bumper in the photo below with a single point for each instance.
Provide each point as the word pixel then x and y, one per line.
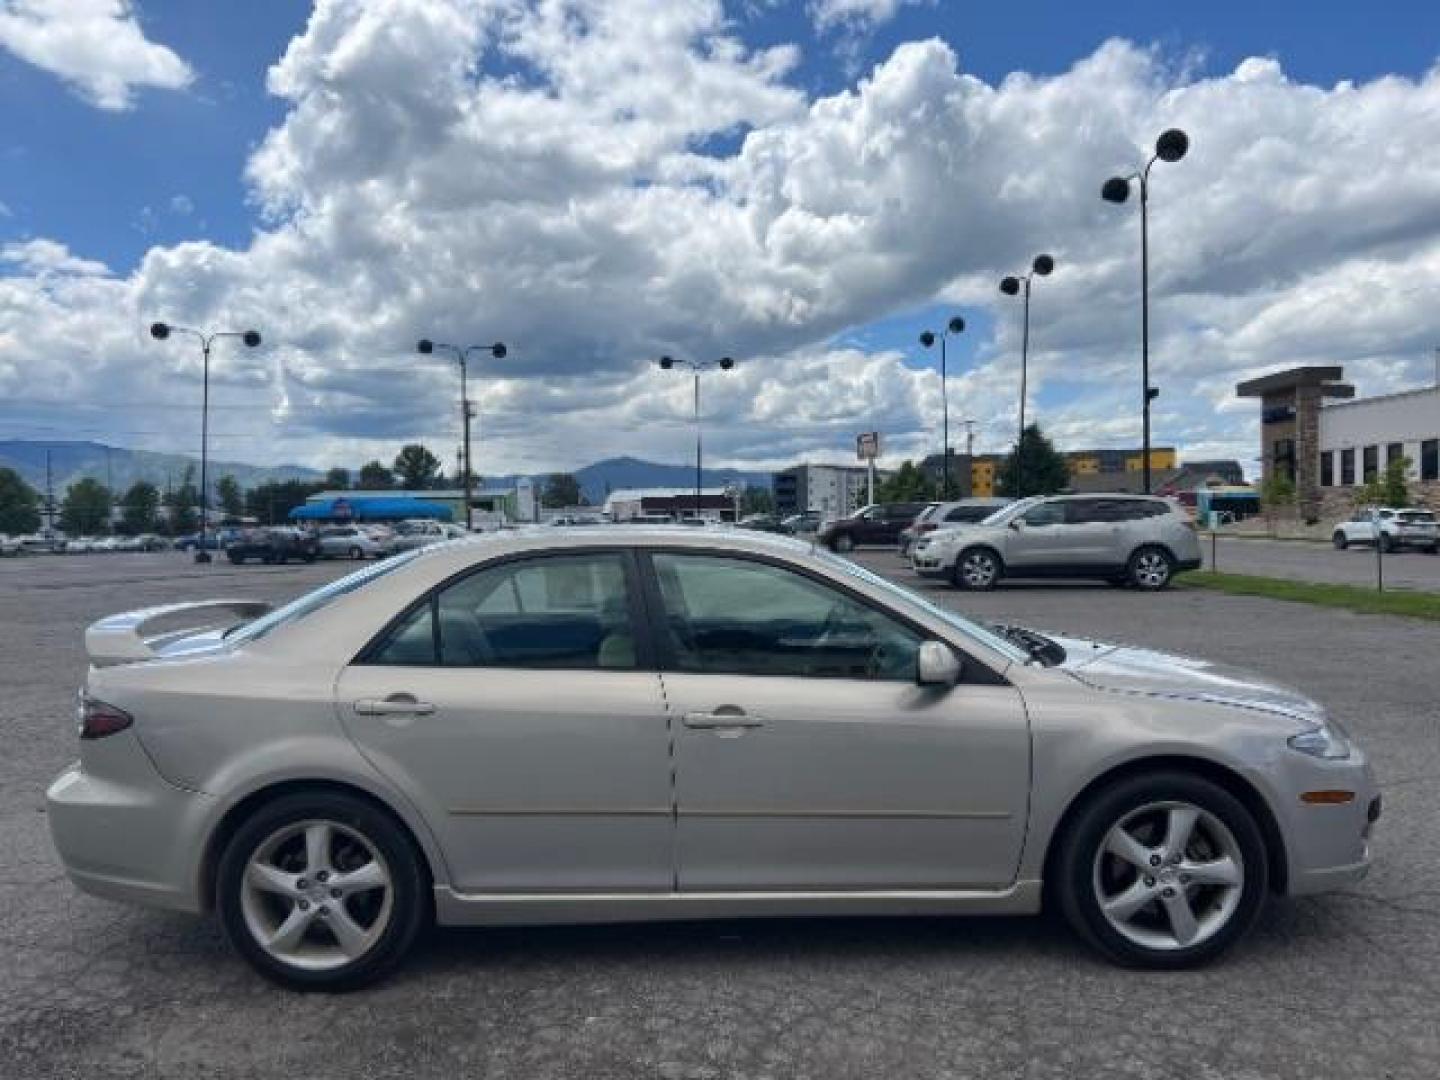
pixel 929 563
pixel 125 833
pixel 1328 846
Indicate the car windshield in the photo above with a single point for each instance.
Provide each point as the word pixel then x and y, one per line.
pixel 312 602
pixel 980 633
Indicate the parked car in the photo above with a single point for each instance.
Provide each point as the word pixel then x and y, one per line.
pixel 804 523
pixel 1138 540
pixel 880 523
pixel 9 545
pixel 762 523
pixel 575 519
pixel 785 733
pixel 410 535
pixel 278 544
pixel 43 543
pixel 349 542
pixel 949 515
pixel 1409 527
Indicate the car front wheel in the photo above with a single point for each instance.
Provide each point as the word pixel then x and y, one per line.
pixel 321 891
pixel 1162 871
pixel 1150 569
pixel 356 553
pixel 976 570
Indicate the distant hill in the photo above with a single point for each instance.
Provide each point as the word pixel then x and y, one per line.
pixel 614 474
pixel 71 461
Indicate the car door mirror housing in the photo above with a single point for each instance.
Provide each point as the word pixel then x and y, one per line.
pixel 937 665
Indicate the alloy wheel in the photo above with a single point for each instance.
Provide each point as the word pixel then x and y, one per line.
pixel 978 570
pixel 1169 876
pixel 1151 570
pixel 316 895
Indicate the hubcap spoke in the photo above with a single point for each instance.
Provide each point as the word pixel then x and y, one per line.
pixel 1126 904
pixel 317 847
pixel 288 934
pixel 1124 846
pixel 1182 918
pixel 1180 823
pixel 369 876
pixel 271 879
pixel 1222 871
pixel 350 935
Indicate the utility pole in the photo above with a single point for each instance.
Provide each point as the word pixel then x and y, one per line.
pixel 49 496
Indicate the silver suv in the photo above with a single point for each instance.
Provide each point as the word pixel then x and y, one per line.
pixel 1125 539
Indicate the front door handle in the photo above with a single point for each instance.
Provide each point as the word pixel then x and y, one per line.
pixel 721 718
pixel 394 705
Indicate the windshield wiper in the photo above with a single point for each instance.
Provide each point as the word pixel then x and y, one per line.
pixel 1041 648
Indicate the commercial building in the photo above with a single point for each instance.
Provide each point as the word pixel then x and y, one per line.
pixel 716 503
pixel 490 505
pixel 1328 444
pixel 1090 470
pixel 833 490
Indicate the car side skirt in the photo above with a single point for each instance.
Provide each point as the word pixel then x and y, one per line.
pixel 541 909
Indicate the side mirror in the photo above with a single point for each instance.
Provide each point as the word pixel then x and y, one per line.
pixel 1016 524
pixel 937 665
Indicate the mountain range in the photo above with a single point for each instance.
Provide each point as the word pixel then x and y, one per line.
pixel 118 468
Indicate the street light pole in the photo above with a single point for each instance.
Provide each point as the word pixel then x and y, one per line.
pixel 161 331
pixel 426 347
pixel 668 363
pixel 956 325
pixel 1170 146
pixel 1044 265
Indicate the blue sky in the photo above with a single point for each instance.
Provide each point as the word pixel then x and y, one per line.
pixel 111 184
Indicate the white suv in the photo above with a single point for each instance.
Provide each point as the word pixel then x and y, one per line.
pixel 1409 527
pixel 1125 539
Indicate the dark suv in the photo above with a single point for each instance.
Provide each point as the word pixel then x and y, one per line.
pixel 277 545
pixel 877 524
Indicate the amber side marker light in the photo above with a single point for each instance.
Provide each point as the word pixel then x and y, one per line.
pixel 1327 798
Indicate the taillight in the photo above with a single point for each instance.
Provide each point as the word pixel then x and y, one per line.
pixel 98 719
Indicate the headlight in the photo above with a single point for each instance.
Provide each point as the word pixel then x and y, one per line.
pixel 1325 740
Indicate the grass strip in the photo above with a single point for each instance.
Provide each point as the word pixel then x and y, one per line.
pixel 1367 601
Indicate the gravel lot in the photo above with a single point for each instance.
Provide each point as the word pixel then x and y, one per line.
pixel 1343 986
pixel 1308 561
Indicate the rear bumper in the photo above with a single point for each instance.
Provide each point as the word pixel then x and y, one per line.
pixel 129 835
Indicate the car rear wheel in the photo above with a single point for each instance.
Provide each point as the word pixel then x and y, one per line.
pixel 356 553
pixel 1162 871
pixel 321 891
pixel 1340 541
pixel 1151 568
pixel 844 543
pixel 976 570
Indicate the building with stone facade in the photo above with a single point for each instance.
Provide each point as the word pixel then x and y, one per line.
pixel 1314 430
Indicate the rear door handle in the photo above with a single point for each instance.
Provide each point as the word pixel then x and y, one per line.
pixel 394 705
pixel 721 720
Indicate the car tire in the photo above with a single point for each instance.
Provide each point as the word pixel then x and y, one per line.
pixel 1433 549
pixel 265 877
pixel 1340 541
pixel 844 544
pixel 1150 569
pixel 976 570
pixel 1134 911
pixel 356 553
pixel 237 560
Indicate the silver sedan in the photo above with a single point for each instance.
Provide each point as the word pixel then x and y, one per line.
pixel 645 723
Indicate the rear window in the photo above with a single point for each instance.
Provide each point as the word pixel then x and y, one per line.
pixel 1416 517
pixel 970 514
pixel 312 602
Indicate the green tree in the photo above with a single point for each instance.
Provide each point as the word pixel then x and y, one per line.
pixel 757 500
pixel 229 496
pixel 337 479
pixel 181 503
pixel 1041 470
pixel 85 510
pixel 19 504
pixel 561 489
pixel 139 508
pixel 375 477
pixel 272 501
pixel 905 484
pixel 1393 486
pixel 416 467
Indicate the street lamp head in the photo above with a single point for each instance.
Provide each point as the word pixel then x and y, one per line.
pixel 251 338
pixel 1116 189
pixel 425 346
pixel 927 338
pixel 957 325
pixel 498 350
pixel 667 362
pixel 1043 265
pixel 1171 145
pixel 726 363
pixel 159 331
pixel 1010 285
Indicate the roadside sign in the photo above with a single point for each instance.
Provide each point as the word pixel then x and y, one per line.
pixel 867 445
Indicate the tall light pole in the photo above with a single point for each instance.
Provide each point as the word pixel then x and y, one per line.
pixel 426 347
pixel 955 326
pixel 161 331
pixel 1044 265
pixel 1170 146
pixel 668 363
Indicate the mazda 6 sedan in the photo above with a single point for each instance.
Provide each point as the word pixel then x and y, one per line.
pixel 616 724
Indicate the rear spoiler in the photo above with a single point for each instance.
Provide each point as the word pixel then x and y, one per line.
pixel 121 639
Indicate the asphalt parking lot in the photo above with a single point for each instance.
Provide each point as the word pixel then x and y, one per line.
pixel 1309 561
pixel 1340 986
